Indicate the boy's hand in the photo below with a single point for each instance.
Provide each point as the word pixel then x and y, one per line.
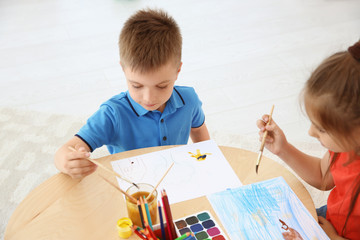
pixel 275 139
pixel 75 164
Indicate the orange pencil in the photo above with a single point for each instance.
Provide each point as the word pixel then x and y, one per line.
pixel 143 210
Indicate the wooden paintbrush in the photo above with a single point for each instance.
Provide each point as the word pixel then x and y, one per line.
pixel 148 197
pixel 134 200
pixel 106 169
pixel 263 141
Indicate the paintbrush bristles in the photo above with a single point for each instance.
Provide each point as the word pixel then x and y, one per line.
pixel 258 161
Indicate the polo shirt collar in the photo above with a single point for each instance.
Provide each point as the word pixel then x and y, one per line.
pixel 174 102
pixel 137 108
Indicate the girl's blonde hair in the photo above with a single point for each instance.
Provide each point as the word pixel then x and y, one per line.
pixel 150 39
pixel 332 97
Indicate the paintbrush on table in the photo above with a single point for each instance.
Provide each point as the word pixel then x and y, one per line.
pixel 263 141
pixel 106 169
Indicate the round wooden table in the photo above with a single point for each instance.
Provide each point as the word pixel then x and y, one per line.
pixel 64 208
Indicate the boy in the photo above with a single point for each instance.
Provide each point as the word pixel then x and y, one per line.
pixel 153 112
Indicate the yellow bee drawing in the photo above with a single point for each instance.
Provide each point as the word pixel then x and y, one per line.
pixel 198 155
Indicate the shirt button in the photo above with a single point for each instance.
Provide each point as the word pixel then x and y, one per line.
pixel 162 120
pixel 164 138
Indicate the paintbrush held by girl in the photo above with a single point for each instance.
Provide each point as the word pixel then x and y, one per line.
pixel 331 98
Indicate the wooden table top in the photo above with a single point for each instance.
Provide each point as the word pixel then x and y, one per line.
pixel 64 208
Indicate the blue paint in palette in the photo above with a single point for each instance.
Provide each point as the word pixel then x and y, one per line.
pixel 202 224
pixel 208 224
pixel 196 228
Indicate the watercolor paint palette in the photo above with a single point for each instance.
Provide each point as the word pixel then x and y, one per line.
pixel 202 224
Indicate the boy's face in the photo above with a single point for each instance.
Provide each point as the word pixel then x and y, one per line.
pixel 152 90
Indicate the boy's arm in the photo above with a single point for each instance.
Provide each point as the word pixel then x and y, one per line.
pixel 199 134
pixel 73 163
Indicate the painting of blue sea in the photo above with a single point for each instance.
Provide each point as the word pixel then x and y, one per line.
pixel 265 210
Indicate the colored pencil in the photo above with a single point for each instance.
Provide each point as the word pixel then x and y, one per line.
pixel 143 210
pixel 168 215
pixel 122 191
pixel 148 213
pixel 137 232
pixel 263 141
pixel 182 237
pixel 163 235
pixel 105 168
pixel 148 235
pixel 191 237
pixel 147 198
pixel 147 226
pixel 141 214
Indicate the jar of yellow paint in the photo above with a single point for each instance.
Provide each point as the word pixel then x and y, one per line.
pixel 124 227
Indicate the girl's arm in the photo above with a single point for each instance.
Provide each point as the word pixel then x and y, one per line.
pixel 329 229
pixel 310 169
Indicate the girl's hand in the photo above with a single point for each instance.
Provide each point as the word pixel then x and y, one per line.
pixel 328 228
pixel 275 139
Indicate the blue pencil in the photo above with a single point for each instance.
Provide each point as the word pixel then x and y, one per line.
pixel 141 214
pixel 148 213
pixel 161 222
pixel 192 237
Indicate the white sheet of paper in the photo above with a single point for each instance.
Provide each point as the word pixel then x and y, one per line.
pixel 188 178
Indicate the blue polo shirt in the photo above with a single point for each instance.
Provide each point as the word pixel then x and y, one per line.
pixel 122 124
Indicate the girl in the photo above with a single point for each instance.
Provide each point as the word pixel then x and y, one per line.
pixel 332 102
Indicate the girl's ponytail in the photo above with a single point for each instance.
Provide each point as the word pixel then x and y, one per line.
pixel 354 50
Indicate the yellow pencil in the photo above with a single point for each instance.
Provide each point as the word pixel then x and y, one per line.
pixel 143 210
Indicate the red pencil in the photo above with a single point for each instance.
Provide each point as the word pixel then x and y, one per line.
pixel 134 228
pixel 148 234
pixel 150 230
pixel 169 220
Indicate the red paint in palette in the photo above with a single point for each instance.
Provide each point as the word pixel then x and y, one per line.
pixel 220 237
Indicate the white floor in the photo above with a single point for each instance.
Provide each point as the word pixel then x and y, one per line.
pixel 61 56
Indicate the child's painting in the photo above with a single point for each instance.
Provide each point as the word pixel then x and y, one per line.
pixel 266 210
pixel 199 169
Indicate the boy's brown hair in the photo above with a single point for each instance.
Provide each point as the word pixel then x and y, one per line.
pixel 150 39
